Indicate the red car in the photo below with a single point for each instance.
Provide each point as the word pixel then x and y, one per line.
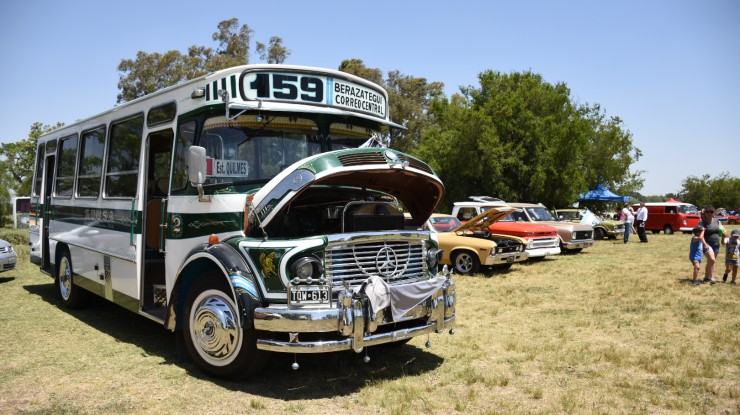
pixel 542 240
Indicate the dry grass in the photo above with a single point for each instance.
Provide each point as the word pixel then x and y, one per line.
pixel 617 329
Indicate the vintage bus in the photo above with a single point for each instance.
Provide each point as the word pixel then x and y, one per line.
pixel 670 217
pixel 253 210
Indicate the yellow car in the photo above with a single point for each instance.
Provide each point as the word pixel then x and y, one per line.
pixel 469 247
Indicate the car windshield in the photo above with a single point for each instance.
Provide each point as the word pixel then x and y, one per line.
pixel 569 215
pixel 444 223
pixel 538 214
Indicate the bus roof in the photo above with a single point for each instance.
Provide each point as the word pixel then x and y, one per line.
pixel 343 94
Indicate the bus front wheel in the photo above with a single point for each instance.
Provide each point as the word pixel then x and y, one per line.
pixel 213 336
pixel 668 230
pixel 71 295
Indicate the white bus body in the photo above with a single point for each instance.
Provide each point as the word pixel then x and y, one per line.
pixel 242 210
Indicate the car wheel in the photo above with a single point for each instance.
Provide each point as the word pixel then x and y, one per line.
pixel 72 296
pixel 599 234
pixel 215 340
pixel 465 263
pixel 732 222
pixel 668 230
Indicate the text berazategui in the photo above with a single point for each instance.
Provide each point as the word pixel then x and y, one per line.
pixel 359 98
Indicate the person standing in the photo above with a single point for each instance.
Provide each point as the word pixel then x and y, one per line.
pixel 711 236
pixel 629 219
pixel 642 215
pixel 732 256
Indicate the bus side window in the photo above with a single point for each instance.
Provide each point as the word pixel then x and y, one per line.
pixel 92 145
pixel 66 166
pixel 180 169
pixel 124 150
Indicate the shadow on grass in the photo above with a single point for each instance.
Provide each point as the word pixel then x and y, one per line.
pixel 6 279
pixel 320 376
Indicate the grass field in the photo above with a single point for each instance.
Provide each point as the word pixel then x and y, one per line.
pixel 617 329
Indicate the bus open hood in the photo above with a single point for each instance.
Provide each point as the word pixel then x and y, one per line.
pixel 384 170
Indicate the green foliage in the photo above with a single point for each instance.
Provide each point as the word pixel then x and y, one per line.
pixel 408 99
pixel 17 237
pixel 17 162
pixel 520 138
pixel 721 191
pixel 150 72
pixel 274 53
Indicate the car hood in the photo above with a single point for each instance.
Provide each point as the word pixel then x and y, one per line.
pixel 410 180
pixel 524 229
pixel 483 221
pixel 566 225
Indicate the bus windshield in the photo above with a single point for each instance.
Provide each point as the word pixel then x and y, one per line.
pixel 688 209
pixel 255 148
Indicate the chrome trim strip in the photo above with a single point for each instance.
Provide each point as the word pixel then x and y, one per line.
pixel 96 250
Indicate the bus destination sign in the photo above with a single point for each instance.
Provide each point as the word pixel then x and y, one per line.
pixel 309 88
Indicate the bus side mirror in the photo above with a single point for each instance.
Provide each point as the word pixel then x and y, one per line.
pixel 197 165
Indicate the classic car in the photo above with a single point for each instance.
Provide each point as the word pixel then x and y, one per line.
pixel 603 228
pixel 573 236
pixel 470 246
pixel 8 256
pixel 542 240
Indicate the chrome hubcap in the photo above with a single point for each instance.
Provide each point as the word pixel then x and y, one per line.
pixel 214 328
pixel 65 278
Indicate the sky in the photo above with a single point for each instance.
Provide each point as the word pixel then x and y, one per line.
pixel 669 69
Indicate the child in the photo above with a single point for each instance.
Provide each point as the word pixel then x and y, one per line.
pixel 732 256
pixel 696 251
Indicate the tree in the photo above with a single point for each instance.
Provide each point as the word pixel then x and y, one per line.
pixel 150 72
pixel 520 138
pixel 721 191
pixel 17 160
pixel 276 53
pixel 408 97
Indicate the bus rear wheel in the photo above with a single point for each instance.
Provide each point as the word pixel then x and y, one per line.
pixel 72 296
pixel 215 340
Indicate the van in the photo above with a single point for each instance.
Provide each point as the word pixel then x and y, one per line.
pixel 670 217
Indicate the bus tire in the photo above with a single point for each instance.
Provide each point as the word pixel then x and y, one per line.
pixel 668 230
pixel 72 296
pixel 465 263
pixel 213 337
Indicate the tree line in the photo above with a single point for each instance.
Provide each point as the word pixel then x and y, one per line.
pixel 513 136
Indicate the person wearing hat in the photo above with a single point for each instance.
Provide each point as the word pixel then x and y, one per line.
pixel 732 255
pixel 696 251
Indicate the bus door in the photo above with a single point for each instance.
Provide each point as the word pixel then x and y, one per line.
pixel 44 214
pixel 159 154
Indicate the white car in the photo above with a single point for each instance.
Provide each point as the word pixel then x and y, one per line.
pixel 7 256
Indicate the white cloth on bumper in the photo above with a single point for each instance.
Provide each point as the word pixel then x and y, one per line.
pixel 401 298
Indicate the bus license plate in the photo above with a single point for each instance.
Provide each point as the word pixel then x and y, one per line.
pixel 309 294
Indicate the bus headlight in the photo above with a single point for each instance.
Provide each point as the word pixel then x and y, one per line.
pixel 306 269
pixel 434 255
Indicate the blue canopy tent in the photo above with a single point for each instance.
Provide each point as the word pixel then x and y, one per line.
pixel 602 194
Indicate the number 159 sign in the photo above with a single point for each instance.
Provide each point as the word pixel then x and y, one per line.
pixel 311 89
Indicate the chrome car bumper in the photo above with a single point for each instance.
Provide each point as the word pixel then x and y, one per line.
pixel 506 258
pixel 578 244
pixel 352 325
pixel 542 252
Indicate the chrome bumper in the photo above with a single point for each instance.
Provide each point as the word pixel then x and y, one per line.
pixel 506 258
pixel 541 252
pixel 578 244
pixel 352 324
